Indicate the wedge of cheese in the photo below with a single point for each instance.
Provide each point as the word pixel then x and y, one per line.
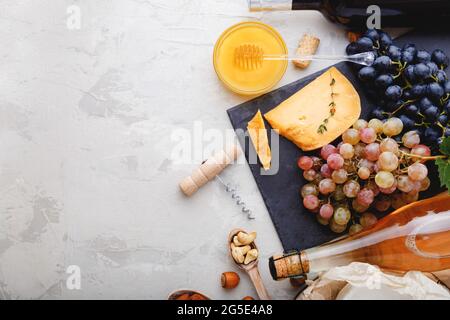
pixel 258 135
pixel 299 117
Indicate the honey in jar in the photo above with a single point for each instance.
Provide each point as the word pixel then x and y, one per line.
pixel 256 77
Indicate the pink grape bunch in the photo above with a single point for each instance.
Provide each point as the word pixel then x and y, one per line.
pixel 373 168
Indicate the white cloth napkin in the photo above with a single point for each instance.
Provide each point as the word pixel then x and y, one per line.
pixel 414 284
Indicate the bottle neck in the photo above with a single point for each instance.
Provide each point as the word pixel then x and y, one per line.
pixel 306 4
pixel 316 259
pixel 283 5
pixel 289 265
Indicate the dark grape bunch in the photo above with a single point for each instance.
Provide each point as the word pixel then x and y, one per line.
pixel 374 168
pixel 407 83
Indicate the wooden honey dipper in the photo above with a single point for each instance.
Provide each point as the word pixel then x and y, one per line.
pixel 209 169
pixel 251 57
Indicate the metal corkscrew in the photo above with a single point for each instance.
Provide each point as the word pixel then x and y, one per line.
pixel 235 195
pixel 209 170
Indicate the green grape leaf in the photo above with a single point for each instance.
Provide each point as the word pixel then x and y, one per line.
pixel 445 146
pixel 444 172
pixel 444 164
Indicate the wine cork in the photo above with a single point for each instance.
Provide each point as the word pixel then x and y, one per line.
pixel 307 46
pixel 208 170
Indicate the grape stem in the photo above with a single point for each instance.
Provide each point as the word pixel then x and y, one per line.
pixel 423 157
pixel 441 126
pixel 423 123
pixel 443 100
pixel 400 69
pixel 402 105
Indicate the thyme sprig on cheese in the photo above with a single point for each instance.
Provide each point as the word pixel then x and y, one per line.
pixel 323 126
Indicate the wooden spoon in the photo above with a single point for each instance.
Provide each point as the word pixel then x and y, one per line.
pixel 251 268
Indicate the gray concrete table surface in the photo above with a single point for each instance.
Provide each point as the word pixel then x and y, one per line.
pixel 88 175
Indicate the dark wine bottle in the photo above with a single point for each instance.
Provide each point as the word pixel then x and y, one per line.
pixel 354 13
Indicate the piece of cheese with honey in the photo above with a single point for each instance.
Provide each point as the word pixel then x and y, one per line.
pixel 258 134
pixel 299 117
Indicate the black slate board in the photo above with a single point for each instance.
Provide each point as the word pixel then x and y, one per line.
pixel 296 227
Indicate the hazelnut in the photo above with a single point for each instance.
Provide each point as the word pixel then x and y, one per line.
pixel 353 36
pixel 229 280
